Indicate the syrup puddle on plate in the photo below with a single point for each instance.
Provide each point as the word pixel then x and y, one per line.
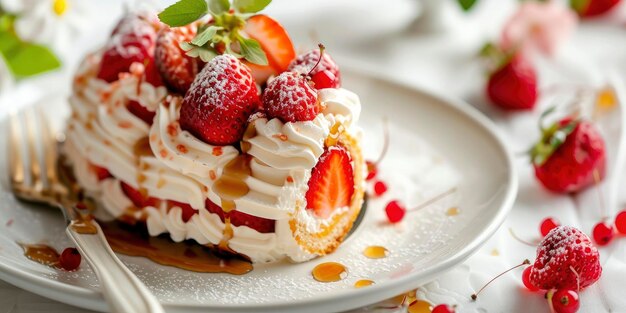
pixel 363 283
pixel 419 306
pixel 129 240
pixel 42 254
pixel 329 272
pixel 453 211
pixel 375 252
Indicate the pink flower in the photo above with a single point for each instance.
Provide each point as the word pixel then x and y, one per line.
pixel 538 26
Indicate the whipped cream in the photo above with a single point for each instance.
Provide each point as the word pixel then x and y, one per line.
pixel 183 168
pixel 341 103
pixel 182 151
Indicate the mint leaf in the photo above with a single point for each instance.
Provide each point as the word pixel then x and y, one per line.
pixel 206 35
pixel 219 6
pixel 250 6
pixel 183 12
pixel 252 51
pixel 26 59
pixel 204 53
pixel 467 4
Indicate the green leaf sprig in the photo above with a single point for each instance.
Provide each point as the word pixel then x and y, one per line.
pixel 23 58
pixel 223 32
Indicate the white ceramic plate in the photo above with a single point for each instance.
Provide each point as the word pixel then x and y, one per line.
pixel 436 143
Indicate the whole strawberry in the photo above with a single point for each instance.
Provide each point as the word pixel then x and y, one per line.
pixel 570 156
pixel 566 259
pixel 132 41
pixel 221 98
pixel 290 98
pixel 324 75
pixel 177 68
pixel 590 8
pixel 513 86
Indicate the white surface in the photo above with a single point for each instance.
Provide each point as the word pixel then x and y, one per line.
pixel 447 65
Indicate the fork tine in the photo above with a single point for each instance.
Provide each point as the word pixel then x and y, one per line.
pixel 33 151
pixel 16 160
pixel 48 143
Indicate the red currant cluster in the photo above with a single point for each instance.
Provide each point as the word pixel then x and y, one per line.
pixel 603 233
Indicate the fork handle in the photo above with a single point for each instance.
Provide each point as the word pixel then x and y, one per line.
pixel 122 290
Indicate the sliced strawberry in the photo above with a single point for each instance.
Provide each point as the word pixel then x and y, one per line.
pixel 100 171
pixel 178 69
pixel 132 41
pixel 188 211
pixel 332 182
pixel 262 225
pixel 275 42
pixel 138 199
pixel 222 97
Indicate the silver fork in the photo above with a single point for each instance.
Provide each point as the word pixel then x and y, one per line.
pixel 35 178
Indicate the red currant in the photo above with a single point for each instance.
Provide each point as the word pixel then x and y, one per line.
pixel 324 79
pixel 620 222
pixel 547 225
pixel 380 188
pixel 443 308
pixel 395 211
pixel 603 233
pixel 372 170
pixel 565 301
pixel 526 279
pixel 70 259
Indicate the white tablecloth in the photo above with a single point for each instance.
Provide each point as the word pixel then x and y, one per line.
pixel 445 63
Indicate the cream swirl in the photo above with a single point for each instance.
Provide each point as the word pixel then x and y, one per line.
pixel 113 198
pixel 285 146
pixel 343 104
pixel 164 183
pixel 181 151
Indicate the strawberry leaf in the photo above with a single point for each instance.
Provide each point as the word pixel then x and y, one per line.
pixel 553 137
pixel 204 53
pixel 250 6
pixel 183 12
pixel 219 6
pixel 467 5
pixel 206 35
pixel 252 51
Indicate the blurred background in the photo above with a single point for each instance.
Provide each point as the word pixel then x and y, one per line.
pixel 429 43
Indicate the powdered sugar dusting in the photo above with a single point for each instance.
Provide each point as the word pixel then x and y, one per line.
pixel 177 68
pixel 131 34
pixel 305 62
pixel 290 98
pixel 564 248
pixel 219 80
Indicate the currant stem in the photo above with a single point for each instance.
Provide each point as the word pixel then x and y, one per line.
pixel 596 179
pixel 577 278
pixel 520 239
pixel 383 152
pixel 322 48
pixel 475 296
pixel 549 296
pixel 433 200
